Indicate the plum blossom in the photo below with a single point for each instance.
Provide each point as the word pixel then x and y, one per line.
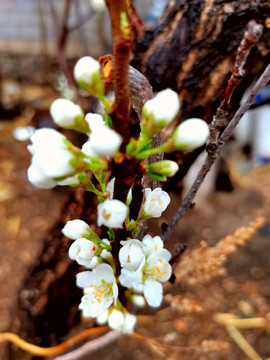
pixel 110 189
pixel 112 213
pixel 103 142
pixel 75 229
pixel 100 290
pixel 86 73
pixel 51 156
pixel 123 322
pixel 163 107
pixel 153 270
pixel 191 133
pixel 131 254
pixel 156 201
pixel 152 245
pixel 82 250
pixel 94 121
pixel 66 113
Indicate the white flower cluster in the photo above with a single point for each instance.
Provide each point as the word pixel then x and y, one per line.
pixel 141 266
pixel 144 264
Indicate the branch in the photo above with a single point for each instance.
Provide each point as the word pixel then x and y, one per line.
pixel 91 346
pixel 212 156
pixel 41 351
pixel 251 37
pixel 62 35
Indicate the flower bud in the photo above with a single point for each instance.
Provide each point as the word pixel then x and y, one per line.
pixel 75 229
pixel 68 115
pixel 159 111
pixel 191 134
pixel 112 213
pixel 94 120
pixel 164 167
pixel 86 73
pixel 103 142
pixel 56 157
pixel 124 322
pixel 37 177
pixel 83 251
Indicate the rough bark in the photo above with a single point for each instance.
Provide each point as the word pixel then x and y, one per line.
pixel 193 49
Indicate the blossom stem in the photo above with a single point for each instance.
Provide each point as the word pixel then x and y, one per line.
pixel 105 103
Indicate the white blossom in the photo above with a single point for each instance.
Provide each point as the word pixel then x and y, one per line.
pixel 131 254
pixel 156 201
pixel 51 153
pixel 123 322
pixel 102 318
pixel 163 107
pixel 192 133
pixel 82 250
pixel 110 189
pixel 65 113
pixel 94 121
pixel 103 142
pixel 75 229
pixel 85 68
pixel 138 300
pixel 38 178
pixel 151 273
pixel 100 290
pixel 112 213
pixel 152 244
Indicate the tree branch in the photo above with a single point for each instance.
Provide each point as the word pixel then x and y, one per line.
pixel 91 346
pixel 251 37
pixel 212 156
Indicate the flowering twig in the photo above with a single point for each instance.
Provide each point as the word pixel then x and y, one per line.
pixel 251 37
pixel 41 351
pixel 211 157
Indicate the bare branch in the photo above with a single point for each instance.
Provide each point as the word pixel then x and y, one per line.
pixel 211 157
pixel 91 346
pixel 251 37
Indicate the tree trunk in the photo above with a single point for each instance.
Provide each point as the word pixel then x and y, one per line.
pixel 193 49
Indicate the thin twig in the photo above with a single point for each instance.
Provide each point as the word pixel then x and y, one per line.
pixel 212 156
pixel 91 346
pixel 251 37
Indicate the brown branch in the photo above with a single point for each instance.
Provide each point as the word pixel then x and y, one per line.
pixel 62 35
pixel 134 19
pixel 41 351
pixel 91 346
pixel 212 156
pixel 120 64
pixel 251 37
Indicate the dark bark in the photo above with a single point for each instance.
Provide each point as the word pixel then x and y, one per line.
pixel 193 50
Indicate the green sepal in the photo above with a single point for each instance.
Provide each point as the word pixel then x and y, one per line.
pixel 108 121
pixel 155 177
pixel 111 234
